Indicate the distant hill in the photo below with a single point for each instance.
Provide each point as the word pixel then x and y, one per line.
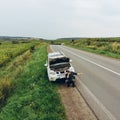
pixel 13 37
pixel 19 38
pixel 71 38
pixel 78 38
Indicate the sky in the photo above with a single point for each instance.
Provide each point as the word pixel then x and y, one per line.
pixel 52 19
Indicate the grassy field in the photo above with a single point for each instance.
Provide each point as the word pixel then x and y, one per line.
pixel 105 46
pixel 25 92
pixel 11 49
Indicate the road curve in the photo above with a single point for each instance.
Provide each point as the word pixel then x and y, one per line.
pixel 101 76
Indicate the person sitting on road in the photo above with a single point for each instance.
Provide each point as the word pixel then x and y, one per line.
pixel 70 78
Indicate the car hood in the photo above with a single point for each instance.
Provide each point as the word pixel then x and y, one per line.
pixel 60 67
pixel 59 60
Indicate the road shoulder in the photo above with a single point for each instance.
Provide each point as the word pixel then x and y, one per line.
pixel 75 106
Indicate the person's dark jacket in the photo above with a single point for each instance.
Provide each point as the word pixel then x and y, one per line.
pixel 71 76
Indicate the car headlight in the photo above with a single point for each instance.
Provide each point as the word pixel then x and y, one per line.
pixel 71 69
pixel 52 72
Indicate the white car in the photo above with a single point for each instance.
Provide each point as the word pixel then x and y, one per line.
pixel 57 64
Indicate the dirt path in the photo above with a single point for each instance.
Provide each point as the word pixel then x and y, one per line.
pixel 75 106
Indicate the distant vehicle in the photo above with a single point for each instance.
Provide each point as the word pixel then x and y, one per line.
pixel 57 64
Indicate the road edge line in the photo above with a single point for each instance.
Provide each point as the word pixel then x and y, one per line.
pixel 98 108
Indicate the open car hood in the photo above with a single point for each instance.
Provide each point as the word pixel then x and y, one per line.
pixel 59 60
pixel 60 66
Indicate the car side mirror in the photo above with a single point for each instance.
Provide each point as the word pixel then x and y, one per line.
pixel 45 65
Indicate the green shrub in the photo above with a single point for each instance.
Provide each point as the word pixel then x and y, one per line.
pixel 116 47
pixel 15 42
pixel 101 44
pixel 6 86
pixel 92 47
pixel 32 48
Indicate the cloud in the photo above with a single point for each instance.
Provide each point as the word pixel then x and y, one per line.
pixel 51 18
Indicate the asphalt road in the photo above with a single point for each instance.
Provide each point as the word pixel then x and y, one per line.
pixel 101 76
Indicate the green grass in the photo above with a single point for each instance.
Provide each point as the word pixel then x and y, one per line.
pixel 8 50
pixel 34 98
pixel 8 75
pixel 9 72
